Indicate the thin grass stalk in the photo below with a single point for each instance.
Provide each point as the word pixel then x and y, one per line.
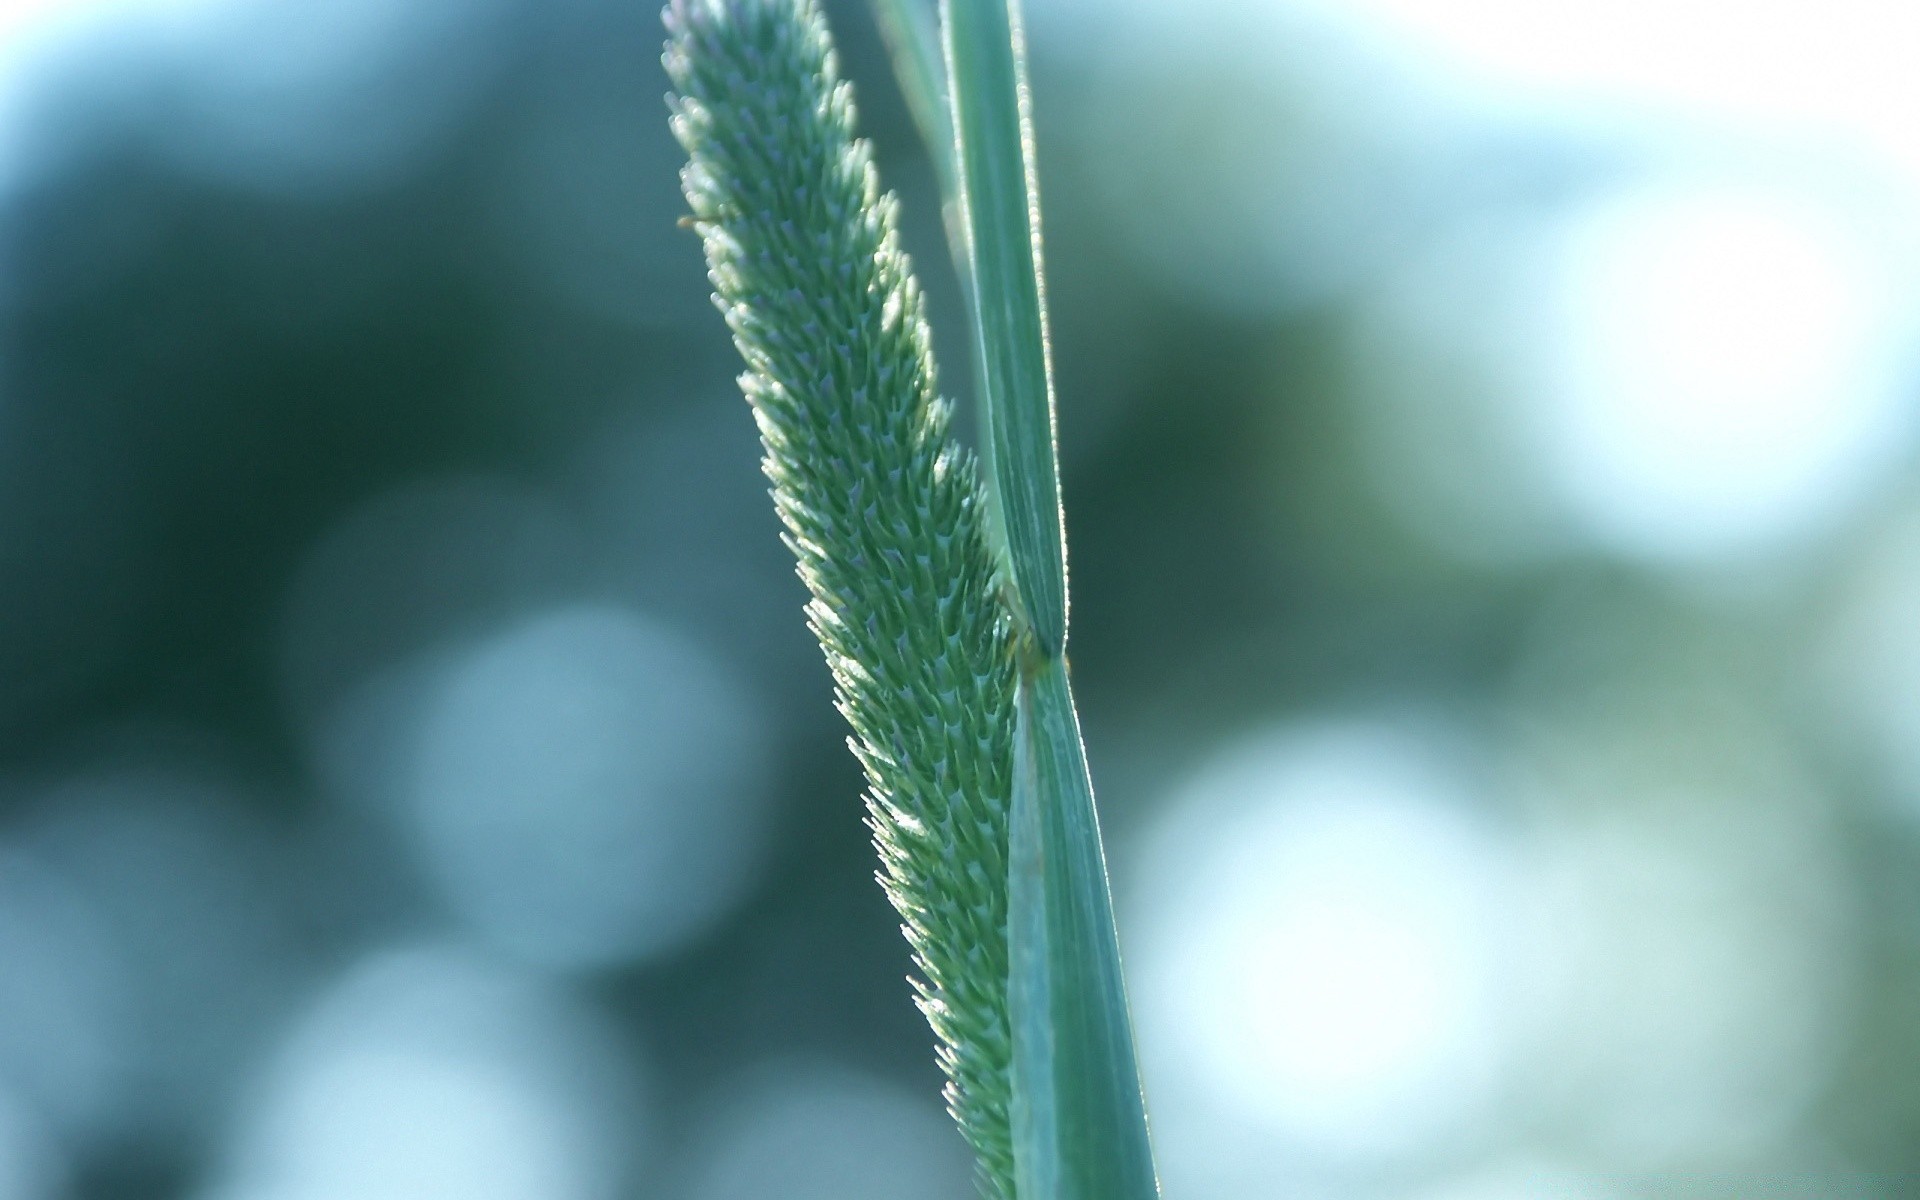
pixel 1079 1116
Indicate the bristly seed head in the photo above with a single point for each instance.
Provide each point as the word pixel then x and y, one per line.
pixel 882 510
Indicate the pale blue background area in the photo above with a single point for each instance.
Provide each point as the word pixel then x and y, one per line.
pixel 1488 433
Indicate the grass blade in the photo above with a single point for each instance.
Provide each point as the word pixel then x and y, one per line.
pixel 1035 1109
pixel 994 151
pixel 913 43
pixel 1078 1117
pixel 1079 1120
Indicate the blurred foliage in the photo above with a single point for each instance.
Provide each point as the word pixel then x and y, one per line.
pixel 215 368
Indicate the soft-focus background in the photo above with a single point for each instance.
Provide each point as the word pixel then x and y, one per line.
pixel 1489 436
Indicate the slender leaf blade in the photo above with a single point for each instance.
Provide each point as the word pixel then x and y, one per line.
pixel 1079 1119
pixel 986 82
pixel 1035 1106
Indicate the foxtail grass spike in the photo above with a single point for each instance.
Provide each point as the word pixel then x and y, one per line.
pixel 882 510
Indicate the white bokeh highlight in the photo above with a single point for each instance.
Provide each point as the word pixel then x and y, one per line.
pixel 1709 359
pixel 331 97
pixel 589 786
pixel 432 1074
pixel 326 95
pixel 1723 369
pixel 1687 371
pixel 1324 960
pixel 1714 64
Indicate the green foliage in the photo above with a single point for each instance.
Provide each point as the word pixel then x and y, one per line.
pixel 993 151
pixel 883 511
pixel 1080 1122
pixel 923 594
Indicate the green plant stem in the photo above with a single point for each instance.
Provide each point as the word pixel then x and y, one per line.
pixel 993 143
pixel 1079 1118
pixel 1080 1122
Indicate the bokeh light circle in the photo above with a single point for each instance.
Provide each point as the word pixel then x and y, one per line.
pixel 589 786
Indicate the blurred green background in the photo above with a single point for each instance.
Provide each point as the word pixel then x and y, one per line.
pixel 1488 435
